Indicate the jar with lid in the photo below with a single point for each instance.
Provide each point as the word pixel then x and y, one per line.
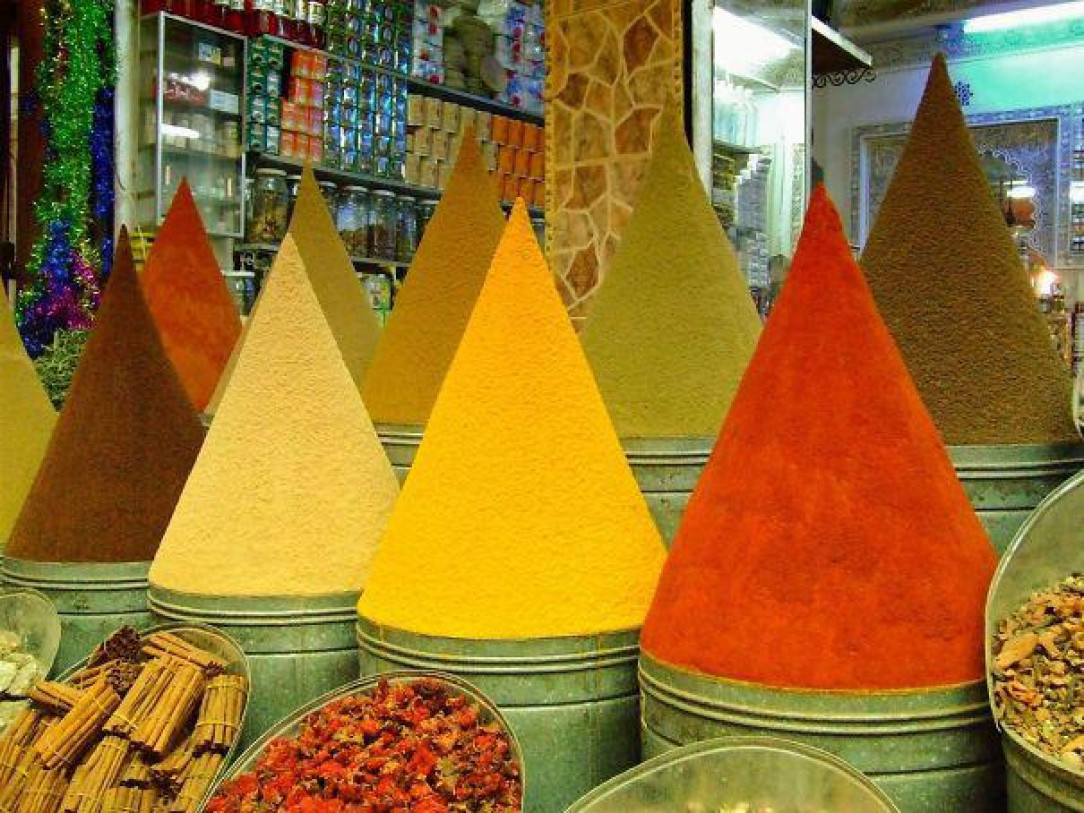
pixel 268 208
pixel 352 219
pixel 293 188
pixel 382 222
pixel 425 209
pixel 330 191
pixel 406 232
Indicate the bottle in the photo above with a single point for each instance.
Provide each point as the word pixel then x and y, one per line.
pixel 317 21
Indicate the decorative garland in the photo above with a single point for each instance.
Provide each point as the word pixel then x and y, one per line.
pixel 75 88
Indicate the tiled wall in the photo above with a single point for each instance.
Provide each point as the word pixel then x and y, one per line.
pixel 612 66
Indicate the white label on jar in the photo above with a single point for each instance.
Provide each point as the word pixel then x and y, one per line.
pixel 224 102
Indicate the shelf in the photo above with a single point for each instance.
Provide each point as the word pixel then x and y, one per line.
pixel 736 148
pixel 271 248
pixel 182 152
pixel 466 99
pixel 834 53
pixel 261 159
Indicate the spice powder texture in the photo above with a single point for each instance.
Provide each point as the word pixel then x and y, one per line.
pixel 341 296
pixel 949 282
pixel 28 423
pixel 520 518
pixel 292 489
pixel 828 544
pixel 189 300
pixel 673 326
pixel 432 309
pixel 123 445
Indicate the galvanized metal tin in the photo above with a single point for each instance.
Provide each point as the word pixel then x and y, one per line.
pixel 291 725
pixel 1006 483
pixel 400 445
pixel 667 470
pixel 730 772
pixel 928 750
pixel 572 702
pixel 210 640
pixel 92 599
pixel 298 648
pixel 1046 549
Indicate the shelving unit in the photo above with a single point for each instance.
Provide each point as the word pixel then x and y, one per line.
pixel 423 88
pixel 833 53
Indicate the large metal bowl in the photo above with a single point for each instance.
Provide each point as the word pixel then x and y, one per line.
pixel 784 776
pixel 290 726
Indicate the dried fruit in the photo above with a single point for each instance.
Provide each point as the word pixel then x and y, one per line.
pixel 414 746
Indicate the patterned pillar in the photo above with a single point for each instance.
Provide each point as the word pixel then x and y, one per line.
pixel 611 66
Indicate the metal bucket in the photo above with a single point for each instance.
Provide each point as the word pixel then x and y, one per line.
pixel 93 599
pixel 400 445
pixel 291 725
pixel 209 640
pixel 928 750
pixel 734 773
pixel 298 648
pixel 572 702
pixel 1046 549
pixel 667 470
pixel 1006 483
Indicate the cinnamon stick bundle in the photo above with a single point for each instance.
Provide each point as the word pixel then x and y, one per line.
pixel 169 772
pixel 58 698
pixel 23 762
pixel 129 800
pixel 23 729
pixel 44 790
pixel 66 740
pixel 198 778
pixel 140 700
pixel 219 721
pixel 136 773
pixel 159 643
pixel 172 712
pixel 97 773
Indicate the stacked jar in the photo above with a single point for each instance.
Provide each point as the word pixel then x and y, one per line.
pixel 352 219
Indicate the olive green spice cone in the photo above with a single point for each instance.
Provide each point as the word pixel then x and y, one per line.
pixel 949 283
pixel 673 326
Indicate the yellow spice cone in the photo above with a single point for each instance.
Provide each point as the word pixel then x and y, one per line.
pixel 432 309
pixel 673 326
pixel 28 423
pixel 521 518
pixel 292 489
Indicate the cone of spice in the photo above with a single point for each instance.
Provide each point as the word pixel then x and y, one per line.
pixel 528 524
pixel 122 448
pixel 28 423
pixel 78 761
pixel 309 475
pixel 189 300
pixel 948 280
pixel 432 309
pixel 673 325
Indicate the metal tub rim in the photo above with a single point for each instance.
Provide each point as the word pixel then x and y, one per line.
pixel 238 661
pixel 993 616
pixel 668 450
pixel 487 658
pixel 830 712
pixel 407 434
pixel 1009 459
pixel 254 611
pixel 75 576
pixel 255 749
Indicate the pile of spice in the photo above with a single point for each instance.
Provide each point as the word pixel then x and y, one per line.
pixel 415 746
pixel 146 725
pixel 19 671
pixel 672 328
pixel 949 283
pixel 28 423
pixel 520 518
pixel 433 307
pixel 294 502
pixel 1039 671
pixel 189 300
pixel 123 446
pixel 828 544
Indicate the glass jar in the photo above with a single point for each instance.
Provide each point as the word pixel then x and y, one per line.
pixel 406 231
pixel 352 219
pixel 293 187
pixel 382 222
pixel 268 208
pixel 330 191
pixel 426 208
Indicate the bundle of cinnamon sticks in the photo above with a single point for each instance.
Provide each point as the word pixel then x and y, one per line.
pixel 143 729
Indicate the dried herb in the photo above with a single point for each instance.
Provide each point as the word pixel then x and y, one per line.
pixel 406 746
pixel 1039 671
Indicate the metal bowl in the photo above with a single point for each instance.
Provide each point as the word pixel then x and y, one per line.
pixel 776 774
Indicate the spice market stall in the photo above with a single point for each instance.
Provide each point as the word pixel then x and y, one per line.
pixel 1035 655
pixel 827 581
pixel 948 281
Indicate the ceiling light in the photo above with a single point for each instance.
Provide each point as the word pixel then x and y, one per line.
pixel 741 44
pixel 1024 16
